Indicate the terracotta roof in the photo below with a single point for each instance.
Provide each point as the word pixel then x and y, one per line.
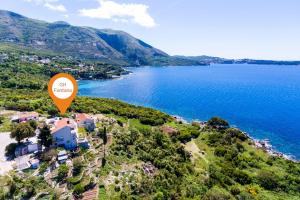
pixel 63 123
pixel 81 117
pixel 90 194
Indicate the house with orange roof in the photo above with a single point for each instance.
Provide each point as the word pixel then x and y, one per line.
pixel 86 121
pixel 64 133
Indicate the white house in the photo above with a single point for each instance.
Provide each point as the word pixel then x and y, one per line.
pixel 86 121
pixel 64 133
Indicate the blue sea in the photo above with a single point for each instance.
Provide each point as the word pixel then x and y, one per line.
pixel 263 100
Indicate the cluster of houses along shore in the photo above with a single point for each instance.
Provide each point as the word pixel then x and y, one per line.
pixel 64 132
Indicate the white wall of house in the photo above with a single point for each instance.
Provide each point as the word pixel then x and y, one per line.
pixel 65 137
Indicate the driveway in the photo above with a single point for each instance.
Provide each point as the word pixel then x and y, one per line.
pixel 5 166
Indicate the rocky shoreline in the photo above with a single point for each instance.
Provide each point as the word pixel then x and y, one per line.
pixel 263 144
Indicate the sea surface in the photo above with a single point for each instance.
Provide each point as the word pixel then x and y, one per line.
pixel 263 100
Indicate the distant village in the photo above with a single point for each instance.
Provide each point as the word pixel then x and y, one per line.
pixel 78 66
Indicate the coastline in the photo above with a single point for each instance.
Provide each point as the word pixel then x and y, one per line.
pixel 263 144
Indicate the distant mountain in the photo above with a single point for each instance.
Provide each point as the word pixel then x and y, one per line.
pixel 216 60
pixel 106 45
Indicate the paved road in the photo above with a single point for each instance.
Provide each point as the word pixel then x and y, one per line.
pixel 5 165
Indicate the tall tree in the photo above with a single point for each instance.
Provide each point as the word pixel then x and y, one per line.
pixel 22 131
pixel 104 136
pixel 45 137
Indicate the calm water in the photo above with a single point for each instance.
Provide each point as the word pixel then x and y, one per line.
pixel 262 100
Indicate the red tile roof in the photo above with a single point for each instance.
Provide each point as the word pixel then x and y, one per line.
pixel 81 117
pixel 62 123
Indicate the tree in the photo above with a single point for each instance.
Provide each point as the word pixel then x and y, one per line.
pixel 33 124
pixel 103 161
pixel 10 150
pixel 22 131
pixel 217 122
pixel 104 136
pixel 48 155
pixel 45 137
pixel 77 166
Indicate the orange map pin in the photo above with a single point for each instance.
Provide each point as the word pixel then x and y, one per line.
pixel 62 89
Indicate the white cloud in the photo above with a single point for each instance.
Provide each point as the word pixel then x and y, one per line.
pixel 56 7
pixel 121 12
pixel 50 4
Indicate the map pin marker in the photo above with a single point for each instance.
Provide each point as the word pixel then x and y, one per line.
pixel 62 89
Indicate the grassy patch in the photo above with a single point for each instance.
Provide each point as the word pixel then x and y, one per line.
pixel 6 125
pixel 102 193
pixel 82 132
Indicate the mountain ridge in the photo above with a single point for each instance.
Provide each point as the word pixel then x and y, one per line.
pixel 112 46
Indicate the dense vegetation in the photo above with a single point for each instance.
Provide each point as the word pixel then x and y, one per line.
pixel 225 166
pixel 23 70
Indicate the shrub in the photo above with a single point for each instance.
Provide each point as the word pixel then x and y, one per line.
pixel 220 151
pixel 268 180
pixel 77 166
pixel 241 177
pixel 78 189
pixel 214 138
pixel 48 155
pixel 235 190
pixel 217 122
pixel 43 168
pixel 235 133
pixel 216 194
pixel 184 136
pixel 245 196
pixel 62 172
pixel 33 124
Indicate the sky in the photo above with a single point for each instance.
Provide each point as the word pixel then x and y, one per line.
pixel 258 29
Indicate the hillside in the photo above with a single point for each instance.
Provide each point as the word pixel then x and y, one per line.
pixel 111 46
pixel 149 154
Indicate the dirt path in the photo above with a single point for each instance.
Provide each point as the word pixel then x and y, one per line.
pixel 5 166
pixel 194 151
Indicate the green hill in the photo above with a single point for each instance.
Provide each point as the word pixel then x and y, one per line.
pixel 149 155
